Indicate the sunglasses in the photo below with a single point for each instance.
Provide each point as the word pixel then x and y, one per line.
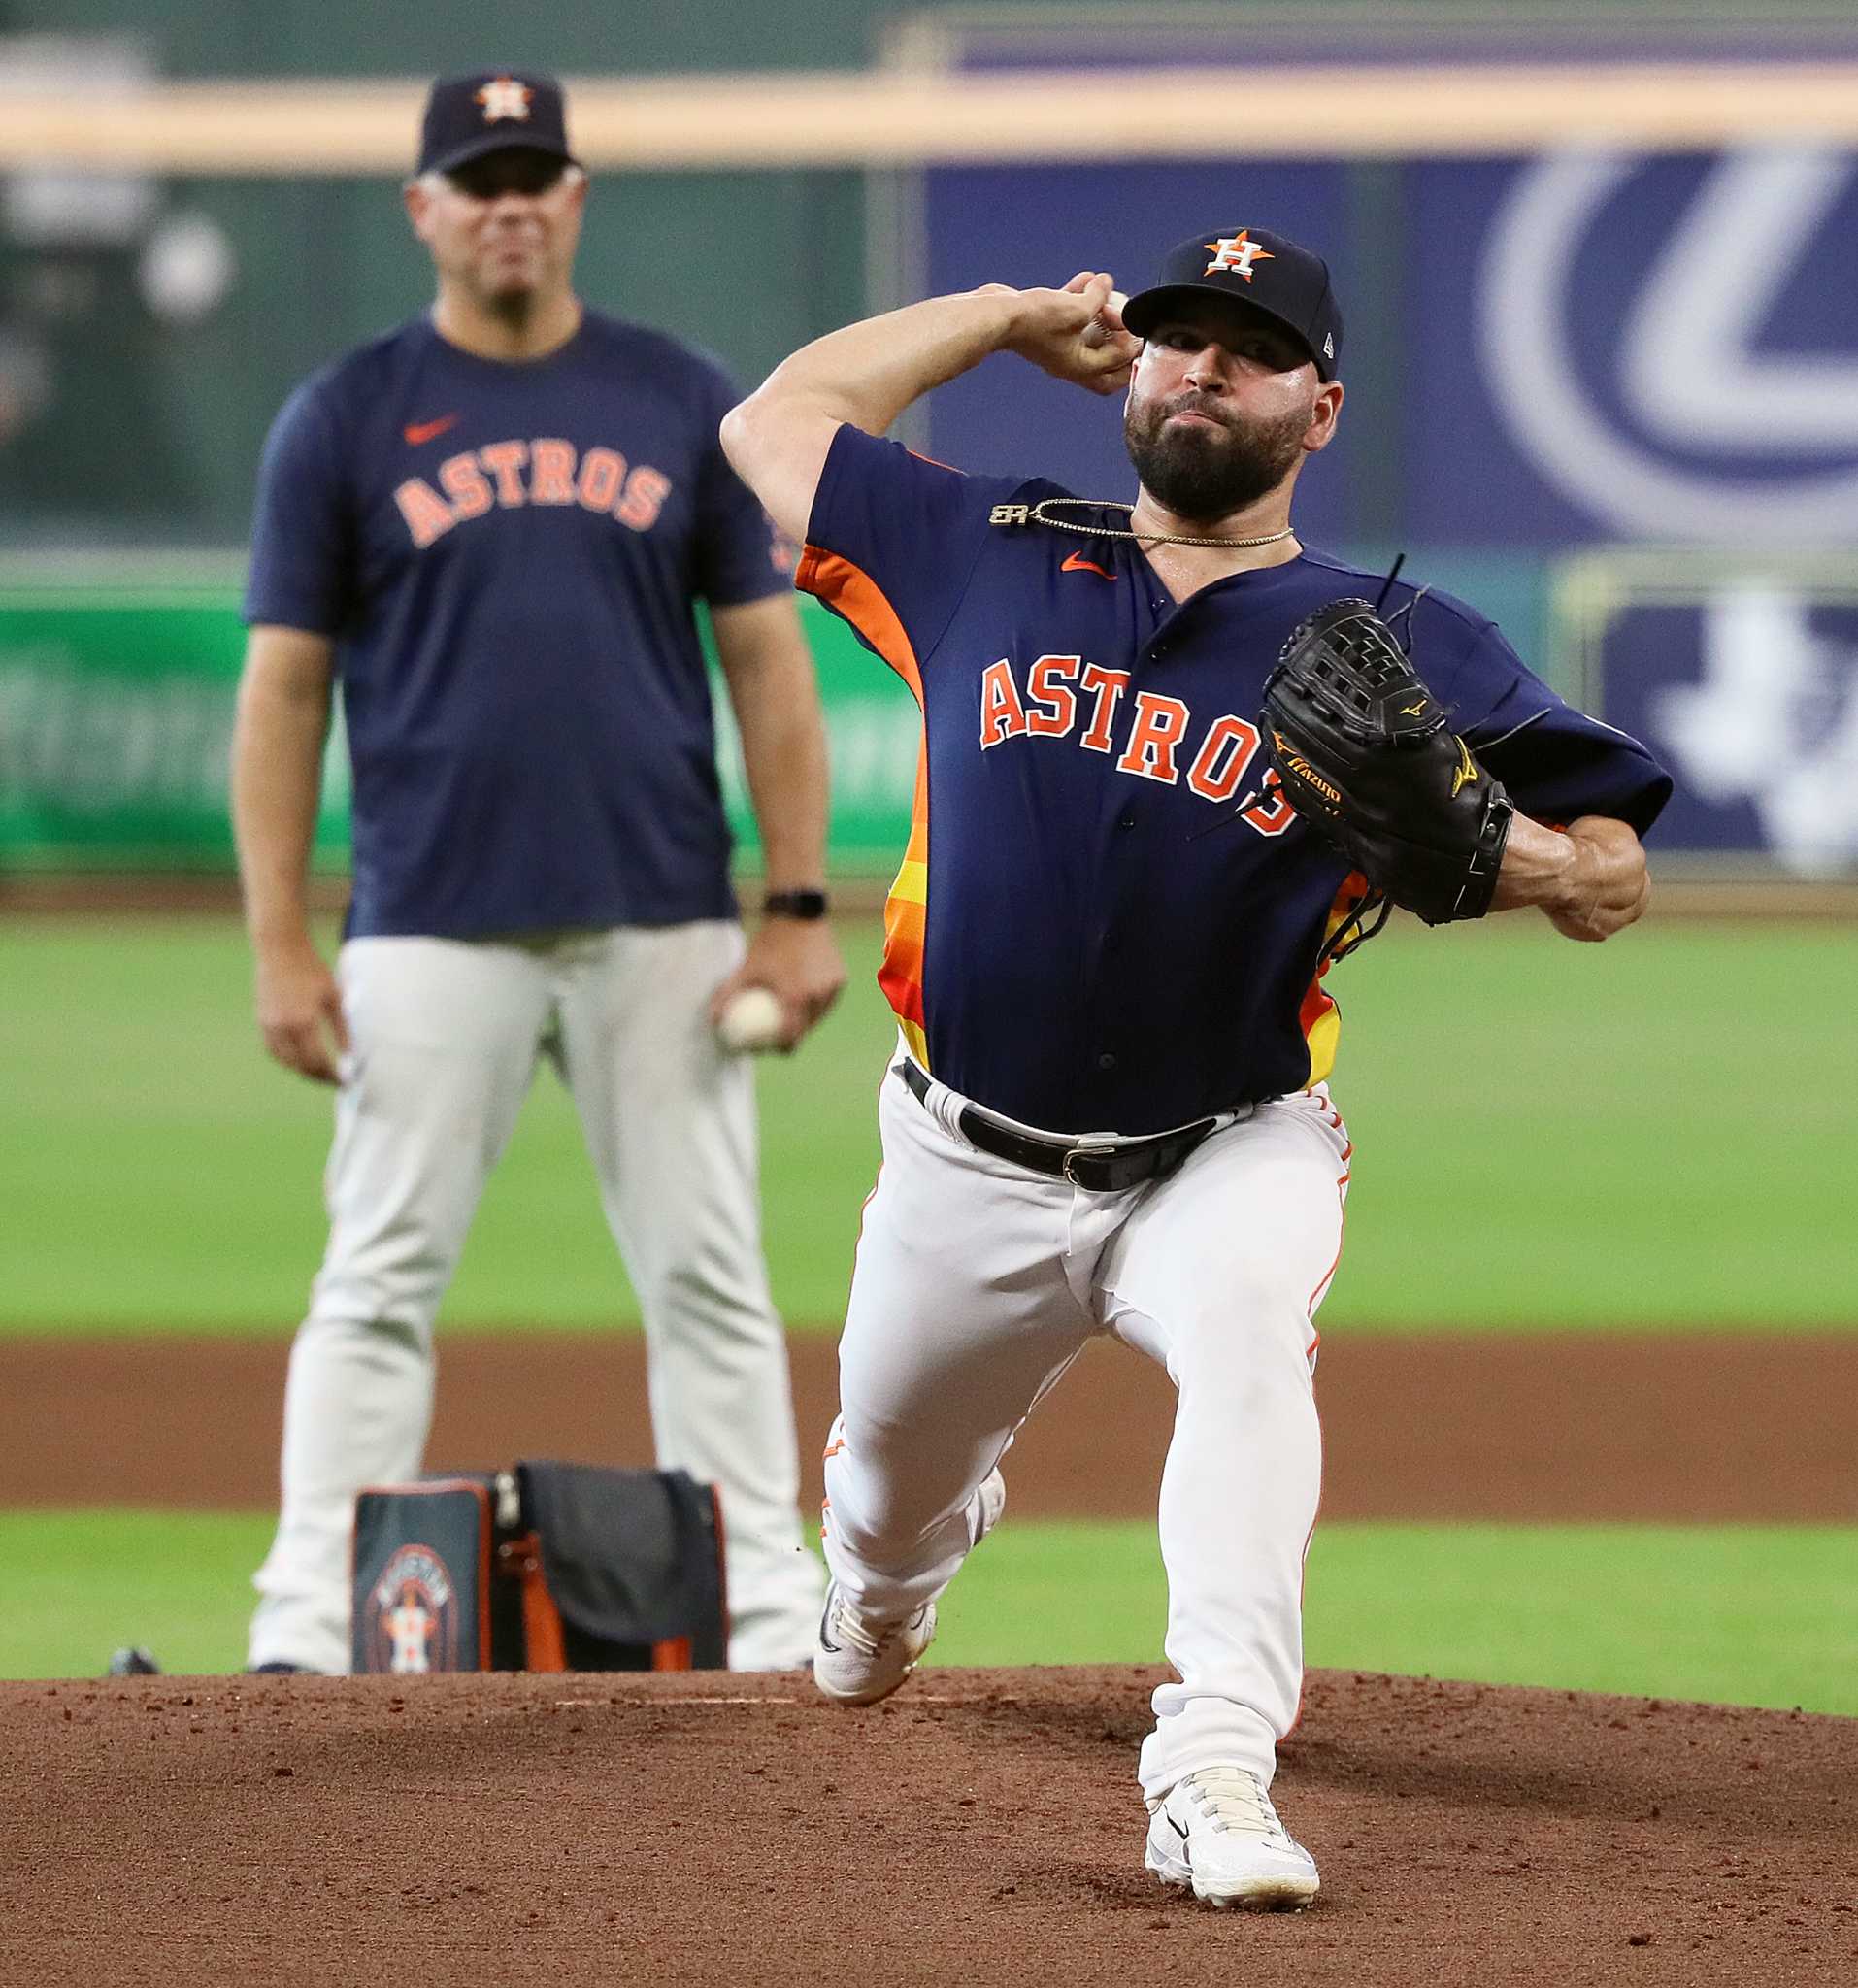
pixel 514 171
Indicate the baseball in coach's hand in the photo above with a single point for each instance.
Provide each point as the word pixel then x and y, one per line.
pixel 752 1021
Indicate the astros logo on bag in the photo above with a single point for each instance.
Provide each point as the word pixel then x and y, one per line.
pixel 415 1614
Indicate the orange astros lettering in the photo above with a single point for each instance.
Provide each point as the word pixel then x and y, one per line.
pixel 504 476
pixel 1107 687
pixel 1160 722
pixel 427 514
pixel 1063 697
pixel 1001 714
pixel 645 496
pixel 550 471
pixel 1054 702
pixel 1224 756
pixel 465 483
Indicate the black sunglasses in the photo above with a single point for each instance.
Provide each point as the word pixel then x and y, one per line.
pixel 513 170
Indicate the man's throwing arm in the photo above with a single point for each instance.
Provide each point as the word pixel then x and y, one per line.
pixel 868 373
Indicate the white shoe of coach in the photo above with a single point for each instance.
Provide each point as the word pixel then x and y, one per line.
pixel 858 1660
pixel 1217 1832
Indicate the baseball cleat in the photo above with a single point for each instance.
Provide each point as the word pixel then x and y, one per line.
pixel 858 1659
pixel 1216 1833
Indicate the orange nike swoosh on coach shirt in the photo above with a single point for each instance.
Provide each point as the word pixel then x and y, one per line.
pixel 417 432
pixel 1078 563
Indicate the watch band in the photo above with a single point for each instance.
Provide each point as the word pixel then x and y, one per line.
pixel 794 904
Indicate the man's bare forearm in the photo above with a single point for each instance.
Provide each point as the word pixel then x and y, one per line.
pixel 1590 879
pixel 776 700
pixel 868 373
pixel 865 375
pixel 277 780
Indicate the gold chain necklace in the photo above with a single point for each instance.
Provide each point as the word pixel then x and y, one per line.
pixel 1036 516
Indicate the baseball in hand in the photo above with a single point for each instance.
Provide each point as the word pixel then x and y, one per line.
pixel 752 1021
pixel 1097 331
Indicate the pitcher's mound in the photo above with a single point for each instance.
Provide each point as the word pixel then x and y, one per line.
pixel 981 1827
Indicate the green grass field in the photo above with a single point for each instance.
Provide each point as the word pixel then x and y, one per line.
pixel 1750 1615
pixel 1649 1133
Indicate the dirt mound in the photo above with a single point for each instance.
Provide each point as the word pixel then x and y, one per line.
pixel 981 1827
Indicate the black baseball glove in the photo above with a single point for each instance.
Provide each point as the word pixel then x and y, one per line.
pixel 1367 758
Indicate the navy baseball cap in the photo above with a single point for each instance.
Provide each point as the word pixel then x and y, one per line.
pixel 1251 266
pixel 492 110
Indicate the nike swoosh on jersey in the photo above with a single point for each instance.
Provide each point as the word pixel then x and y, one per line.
pixel 1078 563
pixel 417 432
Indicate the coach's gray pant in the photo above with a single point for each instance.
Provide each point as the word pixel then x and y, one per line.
pixel 444 1039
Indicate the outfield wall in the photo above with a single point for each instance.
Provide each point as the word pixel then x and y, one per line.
pixel 117 695
pixel 117 679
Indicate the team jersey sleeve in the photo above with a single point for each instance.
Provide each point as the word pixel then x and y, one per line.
pixel 892 542
pixel 739 557
pixel 1557 762
pixel 302 534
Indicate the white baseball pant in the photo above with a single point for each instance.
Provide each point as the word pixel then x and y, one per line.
pixel 445 1035
pixel 977 1282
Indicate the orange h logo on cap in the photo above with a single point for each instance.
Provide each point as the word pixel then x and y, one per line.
pixel 505 97
pixel 1237 253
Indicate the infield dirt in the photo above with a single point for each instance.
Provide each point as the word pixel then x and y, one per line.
pixel 1716 1428
pixel 984 1826
pixel 981 1827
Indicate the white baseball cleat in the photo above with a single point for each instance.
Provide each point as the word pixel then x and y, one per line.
pixel 858 1660
pixel 1216 1832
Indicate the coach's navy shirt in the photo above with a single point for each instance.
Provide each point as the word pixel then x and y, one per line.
pixel 1094 928
pixel 506 555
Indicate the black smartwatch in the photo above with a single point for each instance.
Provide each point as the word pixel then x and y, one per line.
pixel 794 904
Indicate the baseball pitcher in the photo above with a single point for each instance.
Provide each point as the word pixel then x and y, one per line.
pixel 1175 763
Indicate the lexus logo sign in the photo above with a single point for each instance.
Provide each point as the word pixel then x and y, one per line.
pixel 1715 414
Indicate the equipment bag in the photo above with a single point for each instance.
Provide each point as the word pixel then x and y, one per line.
pixel 548 1566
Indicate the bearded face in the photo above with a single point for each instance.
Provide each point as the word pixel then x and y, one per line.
pixel 1207 468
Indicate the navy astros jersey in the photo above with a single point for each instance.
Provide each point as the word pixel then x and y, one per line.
pixel 1092 930
pixel 506 555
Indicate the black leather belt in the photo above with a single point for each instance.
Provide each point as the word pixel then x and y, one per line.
pixel 1102 1166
